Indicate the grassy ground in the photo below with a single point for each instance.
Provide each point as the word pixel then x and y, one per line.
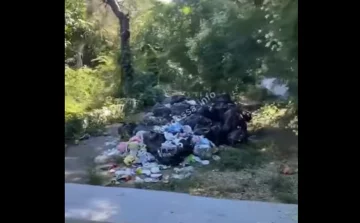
pixel 263 170
pixel 246 174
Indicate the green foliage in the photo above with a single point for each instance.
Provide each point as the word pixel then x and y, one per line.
pixel 192 46
pixel 95 178
pixel 220 45
pixel 268 115
pixel 151 95
pixel 283 189
pixel 87 89
pixel 276 115
pixel 238 159
pixel 76 26
pixel 76 124
pixel 73 125
pixel 82 89
pixel 82 29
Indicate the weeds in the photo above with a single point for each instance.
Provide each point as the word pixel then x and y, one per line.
pixel 283 189
pixel 95 178
pixel 181 186
pixel 238 159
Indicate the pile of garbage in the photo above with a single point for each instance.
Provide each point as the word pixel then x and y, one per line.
pixel 178 131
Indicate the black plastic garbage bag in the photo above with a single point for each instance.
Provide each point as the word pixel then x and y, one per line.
pixel 235 124
pixel 142 127
pixel 152 120
pixel 246 115
pixel 195 119
pixel 180 108
pixel 177 99
pixel 218 110
pixel 236 136
pixel 153 141
pixel 161 110
pixel 231 120
pixel 201 130
pixel 205 110
pixel 202 126
pixel 175 156
pixel 215 134
pixel 126 129
pixel 224 98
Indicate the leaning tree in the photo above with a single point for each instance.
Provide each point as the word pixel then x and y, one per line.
pixel 127 71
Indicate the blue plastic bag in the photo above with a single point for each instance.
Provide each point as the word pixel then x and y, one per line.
pixel 203 147
pixel 174 128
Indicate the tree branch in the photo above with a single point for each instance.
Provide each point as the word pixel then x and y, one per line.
pixel 114 5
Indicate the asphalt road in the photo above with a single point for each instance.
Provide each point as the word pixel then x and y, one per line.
pixel 125 205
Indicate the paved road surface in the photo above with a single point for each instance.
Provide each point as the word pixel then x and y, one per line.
pixel 125 205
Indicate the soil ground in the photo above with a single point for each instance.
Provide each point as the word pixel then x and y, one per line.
pixel 251 172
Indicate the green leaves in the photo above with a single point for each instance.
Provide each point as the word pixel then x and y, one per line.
pixel 186 10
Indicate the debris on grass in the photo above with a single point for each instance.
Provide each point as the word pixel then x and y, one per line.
pixel 250 172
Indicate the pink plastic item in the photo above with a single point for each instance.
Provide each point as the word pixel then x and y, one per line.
pixel 135 139
pixel 122 147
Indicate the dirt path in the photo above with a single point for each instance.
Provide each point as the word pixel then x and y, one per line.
pixel 79 158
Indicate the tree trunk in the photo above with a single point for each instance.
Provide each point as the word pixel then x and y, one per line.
pixel 79 56
pixel 127 71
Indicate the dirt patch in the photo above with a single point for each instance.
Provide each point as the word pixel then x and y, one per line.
pixel 79 158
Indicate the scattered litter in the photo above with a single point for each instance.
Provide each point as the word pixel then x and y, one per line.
pixel 107 167
pixel 203 147
pixel 135 139
pixel 149 165
pixel 151 180
pixel 122 147
pixel 169 136
pixel 123 172
pixel 216 157
pixel 129 160
pixel 191 102
pixel 180 176
pixel 138 180
pixel 85 137
pixel 166 139
pixel 187 129
pixel 156 175
pixel 124 178
pixel 165 179
pixel 144 157
pixel 205 162
pixel 163 167
pixel 112 143
pixel 155 170
pixel 188 169
pixel 144 171
pixel 285 169
pixel 174 128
